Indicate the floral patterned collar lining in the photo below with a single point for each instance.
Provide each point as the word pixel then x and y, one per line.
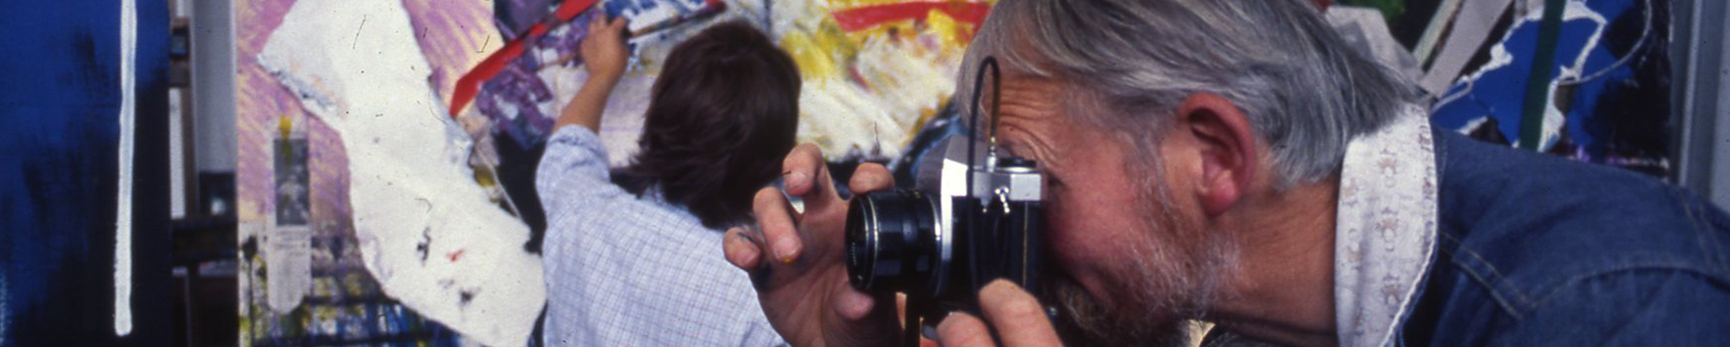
pixel 1386 228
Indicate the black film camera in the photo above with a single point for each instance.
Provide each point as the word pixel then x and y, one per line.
pixel 972 218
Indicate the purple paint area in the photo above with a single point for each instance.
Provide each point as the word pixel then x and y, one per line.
pixel 260 101
pixel 513 98
pixel 454 36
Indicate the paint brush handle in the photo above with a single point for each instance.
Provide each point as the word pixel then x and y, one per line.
pixel 710 9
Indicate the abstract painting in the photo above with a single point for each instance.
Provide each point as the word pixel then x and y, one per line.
pixel 467 95
pixel 1608 101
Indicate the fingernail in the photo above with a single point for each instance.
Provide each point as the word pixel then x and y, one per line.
pixel 786 251
pixel 795 179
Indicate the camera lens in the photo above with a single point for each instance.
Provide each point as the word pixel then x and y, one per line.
pixel 893 242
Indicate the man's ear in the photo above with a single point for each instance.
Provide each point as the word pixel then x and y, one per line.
pixel 1227 148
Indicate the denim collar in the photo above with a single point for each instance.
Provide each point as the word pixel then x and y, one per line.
pixel 1385 228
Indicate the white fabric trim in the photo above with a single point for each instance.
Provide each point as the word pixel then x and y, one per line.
pixel 1386 228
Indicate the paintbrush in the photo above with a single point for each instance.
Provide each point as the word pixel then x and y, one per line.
pixel 710 8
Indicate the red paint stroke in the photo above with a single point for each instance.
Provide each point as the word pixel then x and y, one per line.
pixel 455 255
pixel 861 18
pixel 470 83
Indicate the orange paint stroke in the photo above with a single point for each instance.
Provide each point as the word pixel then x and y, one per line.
pixel 861 18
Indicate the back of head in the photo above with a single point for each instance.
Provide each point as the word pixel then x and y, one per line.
pixel 721 117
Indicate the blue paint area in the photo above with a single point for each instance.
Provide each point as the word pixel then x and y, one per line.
pixel 59 150
pixel 1496 96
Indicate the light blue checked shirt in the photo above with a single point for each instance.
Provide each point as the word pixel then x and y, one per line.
pixel 629 271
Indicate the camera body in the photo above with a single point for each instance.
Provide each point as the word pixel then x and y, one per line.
pixel 962 226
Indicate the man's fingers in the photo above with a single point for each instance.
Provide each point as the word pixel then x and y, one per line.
pixel 806 175
pixel 780 235
pixel 1018 317
pixel 741 250
pixel 963 330
pixel 851 304
pixel 617 24
pixel 801 164
pixel 870 177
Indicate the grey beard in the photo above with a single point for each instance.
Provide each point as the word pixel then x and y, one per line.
pixel 1175 275
pixel 1084 322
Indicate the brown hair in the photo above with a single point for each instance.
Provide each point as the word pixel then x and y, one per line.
pixel 721 118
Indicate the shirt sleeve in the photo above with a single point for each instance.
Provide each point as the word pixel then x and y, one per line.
pixel 573 168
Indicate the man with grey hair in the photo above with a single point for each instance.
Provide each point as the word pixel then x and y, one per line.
pixel 1233 161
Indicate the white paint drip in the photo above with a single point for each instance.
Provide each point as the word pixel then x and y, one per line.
pixel 426 230
pixel 123 217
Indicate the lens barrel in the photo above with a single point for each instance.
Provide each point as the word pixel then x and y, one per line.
pixel 893 241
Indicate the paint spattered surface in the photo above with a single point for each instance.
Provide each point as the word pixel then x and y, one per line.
pixel 346 302
pixel 426 230
pixel 872 81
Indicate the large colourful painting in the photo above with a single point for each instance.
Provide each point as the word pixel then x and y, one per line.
pixel 387 146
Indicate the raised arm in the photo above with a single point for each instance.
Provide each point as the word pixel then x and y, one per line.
pixel 603 53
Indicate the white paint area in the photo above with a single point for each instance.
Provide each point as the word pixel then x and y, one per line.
pixel 622 119
pixel 123 215
pixel 288 270
pixel 427 232
pixel 872 103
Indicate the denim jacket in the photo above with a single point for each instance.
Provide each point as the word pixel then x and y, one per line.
pixel 1539 251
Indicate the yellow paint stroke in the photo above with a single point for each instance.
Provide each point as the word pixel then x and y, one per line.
pixel 868 92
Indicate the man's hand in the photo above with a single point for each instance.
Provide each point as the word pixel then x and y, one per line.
pixel 603 49
pixel 1019 318
pixel 801 278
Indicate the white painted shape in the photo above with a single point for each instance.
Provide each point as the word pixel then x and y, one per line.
pixel 1472 125
pixel 288 265
pixel 356 66
pixel 1470 29
pixel 123 217
pixel 1554 118
pixel 176 158
pixel 1438 22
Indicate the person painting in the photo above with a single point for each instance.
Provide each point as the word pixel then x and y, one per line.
pixel 633 256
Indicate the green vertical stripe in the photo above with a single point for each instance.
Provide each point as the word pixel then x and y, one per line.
pixel 1538 81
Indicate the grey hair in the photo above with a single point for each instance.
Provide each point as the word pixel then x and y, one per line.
pixel 1130 62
